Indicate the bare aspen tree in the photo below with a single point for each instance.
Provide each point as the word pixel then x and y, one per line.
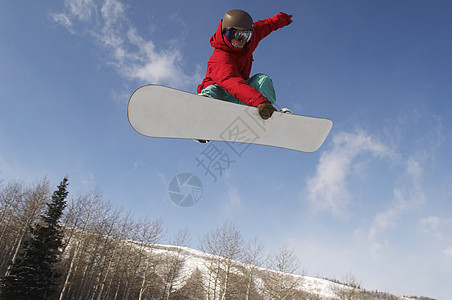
pixel 86 209
pixel 282 283
pixel 351 289
pixel 213 244
pixel 11 197
pixel 173 263
pixel 94 249
pixel 253 258
pixel 136 255
pixel 193 287
pixel 315 289
pixel 151 234
pixel 224 246
pixel 119 236
pixel 125 260
pixel 29 209
pixel 104 242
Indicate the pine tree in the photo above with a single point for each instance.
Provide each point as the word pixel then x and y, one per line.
pixel 33 276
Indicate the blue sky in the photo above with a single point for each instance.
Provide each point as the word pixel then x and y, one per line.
pixel 375 200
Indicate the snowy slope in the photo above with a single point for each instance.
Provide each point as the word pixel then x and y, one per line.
pixel 320 288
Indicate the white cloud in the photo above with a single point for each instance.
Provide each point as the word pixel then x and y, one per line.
pixel 388 218
pixel 134 57
pixel 349 158
pixel 112 11
pixel 233 201
pixel 63 20
pixel 81 9
pixel 408 189
pixel 383 221
pixel 75 10
pixel 448 252
pixel 327 189
pixel 437 227
pixel 234 198
pixel 430 224
pixel 407 193
pixel 378 249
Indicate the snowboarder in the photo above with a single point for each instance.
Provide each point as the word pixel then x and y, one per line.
pixel 229 67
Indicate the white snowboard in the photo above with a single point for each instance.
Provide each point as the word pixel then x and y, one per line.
pixel 159 111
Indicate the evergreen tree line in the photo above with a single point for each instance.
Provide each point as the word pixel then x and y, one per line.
pixel 82 247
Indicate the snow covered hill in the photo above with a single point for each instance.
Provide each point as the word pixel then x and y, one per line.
pixel 215 277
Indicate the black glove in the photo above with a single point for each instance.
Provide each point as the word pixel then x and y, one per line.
pixel 266 109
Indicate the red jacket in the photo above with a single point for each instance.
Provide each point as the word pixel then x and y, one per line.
pixel 230 67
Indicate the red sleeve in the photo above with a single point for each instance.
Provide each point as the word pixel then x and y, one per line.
pixel 264 27
pixel 223 71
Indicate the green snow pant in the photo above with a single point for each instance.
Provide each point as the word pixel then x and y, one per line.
pixel 261 82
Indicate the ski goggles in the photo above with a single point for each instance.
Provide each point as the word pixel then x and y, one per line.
pixel 239 35
pixel 242 35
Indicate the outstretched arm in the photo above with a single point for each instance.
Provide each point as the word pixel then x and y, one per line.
pixel 264 27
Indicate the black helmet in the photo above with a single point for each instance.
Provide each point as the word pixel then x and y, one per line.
pixel 237 19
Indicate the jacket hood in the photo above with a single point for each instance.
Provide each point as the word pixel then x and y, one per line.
pixel 219 41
